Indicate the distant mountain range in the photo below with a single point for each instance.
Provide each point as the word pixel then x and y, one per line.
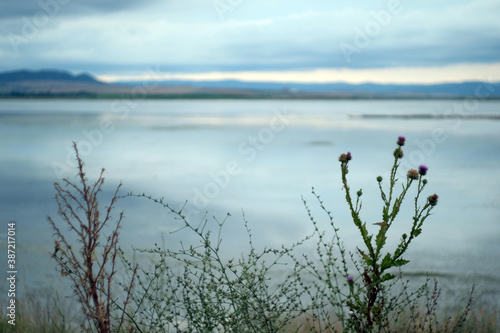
pixel 47 83
pixel 44 75
pixel 445 89
pixel 57 83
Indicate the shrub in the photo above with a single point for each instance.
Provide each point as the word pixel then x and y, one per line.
pixel 91 268
pixel 195 289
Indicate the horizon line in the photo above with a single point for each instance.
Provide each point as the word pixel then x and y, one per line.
pixel 459 73
pixel 452 74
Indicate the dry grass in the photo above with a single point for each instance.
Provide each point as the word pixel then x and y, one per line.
pixel 479 321
pixel 43 312
pixel 49 314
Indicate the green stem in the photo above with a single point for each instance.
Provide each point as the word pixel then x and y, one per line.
pixel 355 214
pixel 392 184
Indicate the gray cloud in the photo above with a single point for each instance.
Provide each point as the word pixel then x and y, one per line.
pixel 188 36
pixel 28 8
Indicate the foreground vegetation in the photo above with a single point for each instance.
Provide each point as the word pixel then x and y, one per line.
pixel 195 288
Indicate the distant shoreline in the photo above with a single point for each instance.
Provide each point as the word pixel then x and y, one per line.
pixel 428 116
pixel 201 96
pixel 51 84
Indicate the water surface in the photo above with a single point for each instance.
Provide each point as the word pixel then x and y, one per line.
pixel 257 157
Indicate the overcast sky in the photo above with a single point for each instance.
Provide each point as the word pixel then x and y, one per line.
pixel 289 40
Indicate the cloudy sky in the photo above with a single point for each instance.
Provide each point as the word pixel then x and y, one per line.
pixel 396 41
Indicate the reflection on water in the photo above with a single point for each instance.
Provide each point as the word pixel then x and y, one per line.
pixel 259 156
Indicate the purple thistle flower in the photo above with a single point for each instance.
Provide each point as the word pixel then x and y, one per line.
pixel 350 278
pixel 401 141
pixel 422 170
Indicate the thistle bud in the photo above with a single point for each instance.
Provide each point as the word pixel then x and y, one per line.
pixel 401 141
pixel 433 199
pixel 360 193
pixel 350 281
pixel 398 153
pixel 344 158
pixel 379 179
pixel 412 174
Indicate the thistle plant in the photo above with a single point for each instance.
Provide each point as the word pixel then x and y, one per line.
pixel 375 298
pixel 367 309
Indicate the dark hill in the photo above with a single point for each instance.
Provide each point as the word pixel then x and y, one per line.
pixel 45 75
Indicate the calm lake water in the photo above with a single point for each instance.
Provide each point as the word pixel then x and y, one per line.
pixel 258 157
